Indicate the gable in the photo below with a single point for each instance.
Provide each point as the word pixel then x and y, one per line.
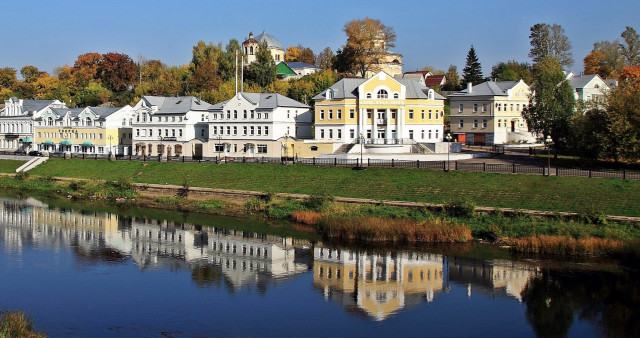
pixel 378 82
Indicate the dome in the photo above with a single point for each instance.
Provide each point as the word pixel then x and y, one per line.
pixel 271 41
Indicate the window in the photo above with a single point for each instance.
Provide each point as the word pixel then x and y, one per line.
pixel 475 107
pixel 339 114
pixel 229 130
pixel 314 148
pixel 411 134
pixel 411 115
pixel 430 114
pixel 484 123
pixel 321 133
pixel 173 132
pixel 259 115
pixel 461 124
pixel 511 107
pixel 352 133
pixel 352 114
pixel 179 133
pixel 214 131
pixel 475 123
pixel 322 114
pixel 137 133
pixel 262 148
pixel 395 95
pixel 368 95
pixel 244 116
pixel 382 94
pixel 369 113
pixel 288 114
pixel 423 115
pixel 437 133
pixel 259 130
pixel 266 130
pixel 518 107
pixel 484 107
pixel 499 123
pixel 330 133
pixel 498 105
pixel 235 130
pixel 460 108
pixel 330 114
pixel 244 130
pixel 235 114
pixel 422 134
pixel 173 119
pixel 266 116
pixel 429 133
pixel 393 113
pixel 251 130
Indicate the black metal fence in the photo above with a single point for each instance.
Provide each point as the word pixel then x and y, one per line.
pixel 337 162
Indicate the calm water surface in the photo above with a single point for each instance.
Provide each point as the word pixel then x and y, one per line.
pixel 89 274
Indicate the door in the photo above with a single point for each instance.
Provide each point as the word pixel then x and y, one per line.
pixel 461 138
pixel 513 126
pixel 197 151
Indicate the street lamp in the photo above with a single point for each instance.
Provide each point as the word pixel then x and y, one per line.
pixel 448 138
pixel 219 138
pixel 286 146
pixel 110 137
pixel 361 139
pixel 161 148
pixel 548 142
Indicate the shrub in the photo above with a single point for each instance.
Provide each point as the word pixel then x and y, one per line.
pixel 254 205
pixel 318 202
pixel 17 324
pixel 460 209
pixel 21 175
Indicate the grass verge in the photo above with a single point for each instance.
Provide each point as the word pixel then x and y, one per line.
pixel 17 324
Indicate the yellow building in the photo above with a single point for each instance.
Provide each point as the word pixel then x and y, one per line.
pixel 491 113
pixel 381 284
pixel 387 113
pixel 88 130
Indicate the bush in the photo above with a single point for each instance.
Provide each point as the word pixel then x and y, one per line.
pixel 16 324
pixel 460 209
pixel 254 205
pixel 318 203
pixel 21 175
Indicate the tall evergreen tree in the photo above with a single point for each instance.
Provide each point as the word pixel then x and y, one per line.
pixel 472 71
pixel 263 70
pixel 550 39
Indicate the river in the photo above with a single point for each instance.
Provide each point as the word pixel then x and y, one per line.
pixel 86 272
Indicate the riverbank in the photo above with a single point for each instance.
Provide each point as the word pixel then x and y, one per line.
pixel 335 219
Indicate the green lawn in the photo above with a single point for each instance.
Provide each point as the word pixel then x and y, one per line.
pixel 10 166
pixel 611 196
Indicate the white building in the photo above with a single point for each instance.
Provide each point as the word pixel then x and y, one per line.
pixel 257 124
pixel 588 90
pixel 171 126
pixel 16 121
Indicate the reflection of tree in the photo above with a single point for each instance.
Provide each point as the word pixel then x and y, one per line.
pixel 609 300
pixel 206 276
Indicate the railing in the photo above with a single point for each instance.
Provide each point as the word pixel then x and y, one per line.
pixel 385 141
pixel 393 163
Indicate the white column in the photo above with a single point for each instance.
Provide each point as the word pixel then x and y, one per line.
pixel 387 115
pixel 374 128
pixel 400 123
pixel 361 122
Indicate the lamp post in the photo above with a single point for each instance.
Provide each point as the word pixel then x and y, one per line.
pixel 110 137
pixel 161 148
pixel 448 138
pixel 548 142
pixel 286 147
pixel 219 138
pixel 361 139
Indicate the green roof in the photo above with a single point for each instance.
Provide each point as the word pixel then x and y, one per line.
pixel 26 140
pixel 283 69
pixel 48 142
pixel 87 144
pixel 66 143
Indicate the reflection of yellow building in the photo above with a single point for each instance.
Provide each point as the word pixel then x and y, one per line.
pixel 492 276
pixel 382 284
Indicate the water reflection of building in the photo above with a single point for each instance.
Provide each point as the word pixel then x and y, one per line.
pixel 493 277
pixel 377 284
pixel 242 258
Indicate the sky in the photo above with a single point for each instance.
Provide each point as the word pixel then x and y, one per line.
pixel 49 34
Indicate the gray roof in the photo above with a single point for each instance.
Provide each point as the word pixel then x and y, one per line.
pixel 104 112
pixel 33 105
pixel 271 40
pixel 581 81
pixel 348 89
pixel 297 64
pixel 176 105
pixel 488 88
pixel 268 101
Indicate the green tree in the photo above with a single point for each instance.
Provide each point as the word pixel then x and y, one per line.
pixel 552 104
pixel 453 79
pixel 550 39
pixel 30 73
pixel 324 59
pixel 472 71
pixel 7 77
pixel 263 70
pixel 344 61
pixel 511 71
pixel 630 49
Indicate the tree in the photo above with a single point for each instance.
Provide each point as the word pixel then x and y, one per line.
pixel 453 79
pixel 432 70
pixel 263 70
pixel 511 71
pixel 472 71
pixel 300 54
pixel 85 69
pixel 367 41
pixel 325 58
pixel 552 104
pixel 292 54
pixel 630 49
pixel 117 71
pixel 550 39
pixel 7 77
pixel 30 73
pixel 344 61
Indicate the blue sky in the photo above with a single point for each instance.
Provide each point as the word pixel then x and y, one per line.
pixel 49 34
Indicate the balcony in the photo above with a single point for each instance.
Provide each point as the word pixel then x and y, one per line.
pixel 381 121
pixel 11 135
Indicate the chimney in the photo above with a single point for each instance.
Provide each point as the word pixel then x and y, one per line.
pixel 469 87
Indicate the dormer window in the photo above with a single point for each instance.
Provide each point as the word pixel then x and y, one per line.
pixel 329 94
pixel 382 94
pixel 368 95
pixel 87 121
pixel 395 95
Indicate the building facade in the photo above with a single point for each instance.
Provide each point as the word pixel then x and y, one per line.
pixel 258 124
pixel 171 126
pixel 588 90
pixel 17 122
pixel 490 113
pixel 90 130
pixel 381 110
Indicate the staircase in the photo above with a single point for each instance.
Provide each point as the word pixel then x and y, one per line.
pixel 32 163
pixel 344 149
pixel 421 149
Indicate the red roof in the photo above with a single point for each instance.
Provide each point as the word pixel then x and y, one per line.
pixel 434 80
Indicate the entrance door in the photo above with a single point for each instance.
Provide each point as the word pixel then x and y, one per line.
pixel 197 151
pixel 513 126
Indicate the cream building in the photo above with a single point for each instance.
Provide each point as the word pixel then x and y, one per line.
pixel 16 122
pixel 490 113
pixel 391 115
pixel 588 90
pixel 90 130
pixel 250 47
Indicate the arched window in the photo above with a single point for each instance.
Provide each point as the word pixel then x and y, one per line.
pixel 50 121
pixel 87 121
pixel 395 95
pixel 251 50
pixel 368 95
pixel 382 94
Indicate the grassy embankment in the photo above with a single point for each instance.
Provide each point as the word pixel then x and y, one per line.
pixel 17 324
pixel 591 198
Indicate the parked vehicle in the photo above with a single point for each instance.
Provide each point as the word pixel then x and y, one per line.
pixel 20 152
pixel 35 153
